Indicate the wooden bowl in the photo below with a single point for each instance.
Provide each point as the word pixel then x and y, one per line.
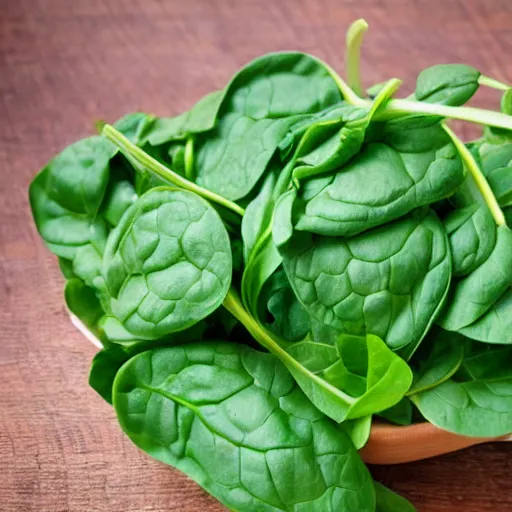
pixel 388 444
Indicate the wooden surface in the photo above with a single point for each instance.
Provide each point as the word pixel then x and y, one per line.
pixel 67 63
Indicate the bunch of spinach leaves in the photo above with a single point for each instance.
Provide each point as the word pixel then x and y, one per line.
pixel 288 259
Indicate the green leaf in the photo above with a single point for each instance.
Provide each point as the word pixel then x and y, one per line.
pixel 263 100
pixel 83 302
pixel 66 195
pixel 133 126
pixel 472 234
pixel 437 359
pixel 200 118
pixel 447 84
pixel 404 164
pixel 328 144
pixel 478 400
pixel 472 296
pixel 495 326
pixel 390 281
pixel 104 367
pixel 258 215
pixel 290 320
pixel 362 367
pixel 358 430
pixel 388 501
pixel 234 421
pixel 399 414
pixel 119 198
pixel 167 264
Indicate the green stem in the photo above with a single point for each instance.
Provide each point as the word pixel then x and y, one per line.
pixel 478 176
pixel 492 83
pixel 398 107
pixel 354 40
pixel 234 306
pixel 154 166
pixel 189 159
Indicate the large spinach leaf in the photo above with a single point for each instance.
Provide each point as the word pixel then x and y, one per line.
pixel 234 421
pixel 167 264
pixel 261 103
pixel 390 281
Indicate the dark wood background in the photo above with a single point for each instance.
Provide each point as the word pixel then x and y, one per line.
pixel 65 64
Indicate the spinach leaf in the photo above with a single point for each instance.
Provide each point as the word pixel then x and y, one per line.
pixel 290 320
pixel 437 359
pixel 399 414
pixel 388 501
pixel 390 281
pixel 495 326
pixel 133 126
pixel 104 367
pixel 362 367
pixel 328 144
pixel 167 264
pixel 473 295
pixel 358 430
pixel 477 401
pixel 472 234
pixel 200 118
pixel 261 103
pixel 66 195
pixel 234 421
pixel 447 84
pixel 404 164
pixel 82 301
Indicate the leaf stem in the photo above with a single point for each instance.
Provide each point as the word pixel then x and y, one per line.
pixel 154 166
pixel 396 107
pixel 492 83
pixel 354 40
pixel 478 176
pixel 189 158
pixel 233 304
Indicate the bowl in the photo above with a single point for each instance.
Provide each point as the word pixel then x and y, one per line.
pixel 388 444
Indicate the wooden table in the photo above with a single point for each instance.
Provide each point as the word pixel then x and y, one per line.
pixel 65 64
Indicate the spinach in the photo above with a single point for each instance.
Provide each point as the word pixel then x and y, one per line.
pixel 289 319
pixel 82 301
pixel 472 234
pixel 448 84
pixel 260 104
pixel 405 164
pixel 67 194
pixel 355 285
pixel 495 326
pixel 399 414
pixel 234 420
pixel 475 294
pixel 437 360
pixel 201 118
pixel 388 501
pixel 352 252
pixel 167 264
pixel 477 401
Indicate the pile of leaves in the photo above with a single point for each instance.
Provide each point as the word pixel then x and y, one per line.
pixel 287 260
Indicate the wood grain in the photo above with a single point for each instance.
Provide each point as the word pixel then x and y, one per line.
pixel 64 64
